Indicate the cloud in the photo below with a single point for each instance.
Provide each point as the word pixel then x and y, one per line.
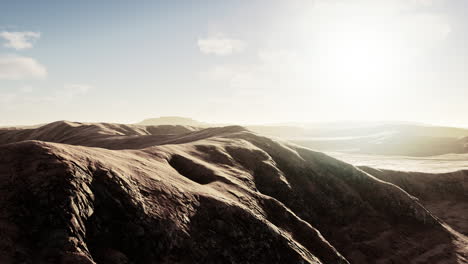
pixel 19 40
pixel 273 70
pixel 13 67
pixel 6 98
pixel 220 45
pixel 24 97
pixel 426 2
pixel 404 28
pixel 337 48
pixel 26 89
pixel 72 90
pixel 65 94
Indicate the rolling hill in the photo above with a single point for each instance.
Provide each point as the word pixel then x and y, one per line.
pixel 111 193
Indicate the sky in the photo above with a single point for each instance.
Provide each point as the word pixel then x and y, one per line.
pixel 234 61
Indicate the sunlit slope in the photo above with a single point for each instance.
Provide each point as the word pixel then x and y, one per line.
pixel 444 194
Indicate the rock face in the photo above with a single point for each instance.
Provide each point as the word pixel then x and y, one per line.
pixel 120 194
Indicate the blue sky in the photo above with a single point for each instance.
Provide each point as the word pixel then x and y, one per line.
pixel 233 61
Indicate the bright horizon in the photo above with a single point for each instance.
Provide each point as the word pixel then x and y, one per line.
pixel 234 62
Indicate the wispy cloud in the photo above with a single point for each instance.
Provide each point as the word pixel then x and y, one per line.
pixel 220 45
pixel 25 96
pixel 274 69
pixel 62 95
pixel 20 40
pixel 426 2
pixel 14 67
pixel 71 90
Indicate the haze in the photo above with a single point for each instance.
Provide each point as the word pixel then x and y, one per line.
pixel 236 61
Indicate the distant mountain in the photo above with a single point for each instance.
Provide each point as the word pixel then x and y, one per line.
pixel 173 120
pixel 382 138
pixel 374 138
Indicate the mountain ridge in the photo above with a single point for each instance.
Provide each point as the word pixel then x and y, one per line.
pixel 262 195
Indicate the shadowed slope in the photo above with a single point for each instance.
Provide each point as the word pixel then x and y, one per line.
pixel 444 194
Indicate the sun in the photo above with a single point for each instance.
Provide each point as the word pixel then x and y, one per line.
pixel 358 64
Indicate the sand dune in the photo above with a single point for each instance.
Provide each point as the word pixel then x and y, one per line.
pixel 109 193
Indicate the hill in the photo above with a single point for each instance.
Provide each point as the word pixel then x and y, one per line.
pixel 173 120
pixel 375 138
pixel 109 193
